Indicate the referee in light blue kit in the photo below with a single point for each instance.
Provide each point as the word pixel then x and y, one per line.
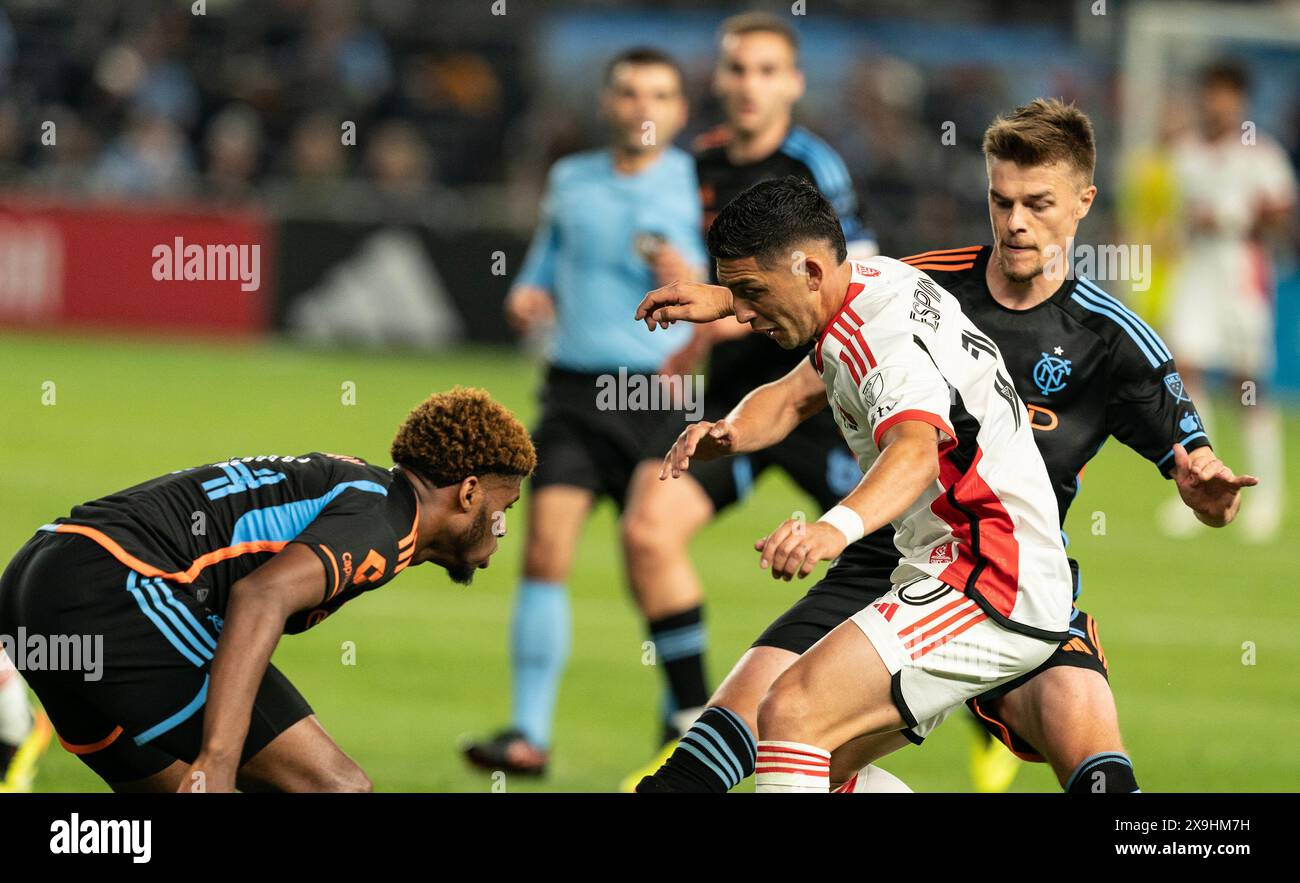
pixel 615 223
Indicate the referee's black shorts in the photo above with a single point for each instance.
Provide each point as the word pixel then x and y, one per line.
pixel 582 444
pixel 133 704
pixel 814 455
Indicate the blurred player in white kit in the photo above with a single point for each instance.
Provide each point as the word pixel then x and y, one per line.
pixel 1237 195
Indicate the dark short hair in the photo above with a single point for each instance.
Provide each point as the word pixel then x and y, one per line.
pixel 768 220
pixel 453 435
pixel 1226 73
pixel 640 55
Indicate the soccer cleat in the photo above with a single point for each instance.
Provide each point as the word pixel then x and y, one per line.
pixel 508 751
pixel 992 767
pixel 631 780
pixel 19 764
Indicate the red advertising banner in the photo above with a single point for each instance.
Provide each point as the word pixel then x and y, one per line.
pixel 135 268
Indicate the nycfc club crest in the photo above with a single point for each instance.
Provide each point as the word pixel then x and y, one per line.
pixel 1052 372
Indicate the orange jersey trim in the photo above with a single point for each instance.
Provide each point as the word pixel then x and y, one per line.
pixel 188 575
pixel 945 254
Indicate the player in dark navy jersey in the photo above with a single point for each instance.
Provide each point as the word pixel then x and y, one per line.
pixel 192 577
pixel 1087 369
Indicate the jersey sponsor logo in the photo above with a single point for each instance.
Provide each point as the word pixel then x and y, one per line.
pixel 1191 422
pixel 925 303
pixel 1051 373
pixel 943 554
pixel 1049 422
pixel 371 569
pixel 1174 383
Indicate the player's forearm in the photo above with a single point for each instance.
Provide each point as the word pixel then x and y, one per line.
pixel 901 474
pixel 253 626
pixel 768 414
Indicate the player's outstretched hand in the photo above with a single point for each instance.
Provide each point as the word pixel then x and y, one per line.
pixel 702 441
pixel 1208 487
pixel 528 308
pixel 794 548
pixel 684 302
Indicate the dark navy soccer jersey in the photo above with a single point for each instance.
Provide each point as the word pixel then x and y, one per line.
pixel 204 528
pixel 737 366
pixel 1085 365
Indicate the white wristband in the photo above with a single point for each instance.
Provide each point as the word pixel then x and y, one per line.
pixel 846 521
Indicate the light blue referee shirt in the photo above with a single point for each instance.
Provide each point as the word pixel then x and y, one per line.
pixel 583 253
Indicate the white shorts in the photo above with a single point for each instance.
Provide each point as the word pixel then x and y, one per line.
pixel 942 649
pixel 1218 327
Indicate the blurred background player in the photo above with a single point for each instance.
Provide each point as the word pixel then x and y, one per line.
pixel 24 731
pixel 615 222
pixel 1238 196
pixel 758 82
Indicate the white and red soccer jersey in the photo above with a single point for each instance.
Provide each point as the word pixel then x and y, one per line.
pixel 1221 310
pixel 899 349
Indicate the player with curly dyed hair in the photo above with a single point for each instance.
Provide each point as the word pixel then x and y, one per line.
pixel 179 589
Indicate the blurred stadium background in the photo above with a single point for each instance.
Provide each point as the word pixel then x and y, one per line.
pixel 385 258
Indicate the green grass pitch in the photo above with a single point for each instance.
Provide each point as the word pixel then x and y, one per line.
pixel 431 657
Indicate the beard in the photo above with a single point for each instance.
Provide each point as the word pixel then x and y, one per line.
pixel 462 572
pixel 1019 277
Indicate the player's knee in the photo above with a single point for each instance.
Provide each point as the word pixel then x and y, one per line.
pixel 347 779
pixel 785 710
pixel 647 536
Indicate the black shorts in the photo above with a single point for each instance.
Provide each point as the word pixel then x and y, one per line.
pixel 1082 650
pixel 132 704
pixel 580 444
pixel 814 455
pixel 859 576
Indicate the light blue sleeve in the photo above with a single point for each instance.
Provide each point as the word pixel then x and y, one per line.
pixel 690 239
pixel 539 264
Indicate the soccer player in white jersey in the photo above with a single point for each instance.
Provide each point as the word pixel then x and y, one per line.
pixel 982 591
pixel 1237 191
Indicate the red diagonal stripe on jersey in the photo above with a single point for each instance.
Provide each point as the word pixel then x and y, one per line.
pixel 839 333
pixel 948 637
pixel 998 548
pixel 862 342
pixel 853 369
pixel 855 288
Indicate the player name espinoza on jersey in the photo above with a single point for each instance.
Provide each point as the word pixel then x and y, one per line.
pixel 900 348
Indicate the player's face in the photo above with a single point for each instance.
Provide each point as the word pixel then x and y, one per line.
pixel 1222 108
pixel 774 301
pixel 1035 210
pixel 757 81
pixel 487 524
pixel 644 106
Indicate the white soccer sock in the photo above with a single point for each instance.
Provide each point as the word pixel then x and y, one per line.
pixel 15 715
pixel 792 767
pixel 1265 458
pixel 873 780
